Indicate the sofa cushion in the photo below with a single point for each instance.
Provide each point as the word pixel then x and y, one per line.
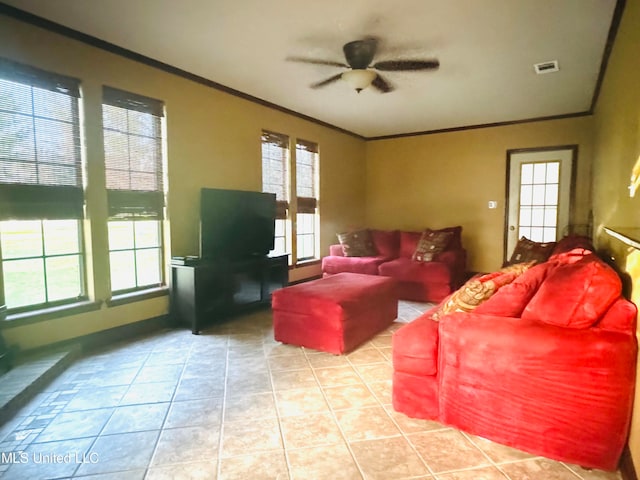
pixel 527 250
pixel 387 242
pixel 357 243
pixel 406 270
pixel 575 294
pixel 332 265
pixel 431 244
pixel 511 299
pixel 409 243
pixel 620 317
pixel 415 347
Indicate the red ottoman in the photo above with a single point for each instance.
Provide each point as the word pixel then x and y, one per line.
pixel 334 314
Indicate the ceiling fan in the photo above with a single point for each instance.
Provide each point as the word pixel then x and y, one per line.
pixel 359 55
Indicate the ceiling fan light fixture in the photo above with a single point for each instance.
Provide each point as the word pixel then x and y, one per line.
pixel 359 79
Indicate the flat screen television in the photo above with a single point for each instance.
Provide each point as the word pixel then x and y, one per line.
pixel 236 224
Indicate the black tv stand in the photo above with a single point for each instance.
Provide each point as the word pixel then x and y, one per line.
pixel 212 289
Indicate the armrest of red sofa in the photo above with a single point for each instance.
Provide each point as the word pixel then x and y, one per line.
pixel 415 346
pixel 456 260
pixel 336 250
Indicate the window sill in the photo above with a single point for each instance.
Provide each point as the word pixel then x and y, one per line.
pixel 137 296
pixel 27 318
pixel 305 263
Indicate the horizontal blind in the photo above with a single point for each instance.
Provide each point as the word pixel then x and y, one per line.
pixel 275 169
pixel 306 176
pixel 40 160
pixel 132 128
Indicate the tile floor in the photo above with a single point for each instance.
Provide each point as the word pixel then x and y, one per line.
pixel 234 404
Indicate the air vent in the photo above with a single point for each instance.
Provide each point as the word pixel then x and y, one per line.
pixel 546 67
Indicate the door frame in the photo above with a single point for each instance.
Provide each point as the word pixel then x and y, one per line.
pixel 572 186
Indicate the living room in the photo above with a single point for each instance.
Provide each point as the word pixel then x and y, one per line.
pixel 406 182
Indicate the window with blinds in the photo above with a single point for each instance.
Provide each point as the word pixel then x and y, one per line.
pixel 275 169
pixel 133 154
pixel 41 189
pixel 40 161
pixel 133 144
pixel 306 199
pixel 275 179
pixel 298 193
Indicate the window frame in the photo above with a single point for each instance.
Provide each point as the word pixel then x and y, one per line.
pixel 82 280
pixel 307 205
pixel 53 189
pixel 290 209
pixel 136 203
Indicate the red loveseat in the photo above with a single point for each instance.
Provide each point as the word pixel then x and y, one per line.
pixel 417 280
pixel 545 365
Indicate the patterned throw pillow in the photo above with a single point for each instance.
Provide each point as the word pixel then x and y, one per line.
pixel 431 244
pixel 479 289
pixel 527 250
pixel 357 244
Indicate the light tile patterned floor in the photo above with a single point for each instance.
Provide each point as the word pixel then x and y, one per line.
pixel 234 404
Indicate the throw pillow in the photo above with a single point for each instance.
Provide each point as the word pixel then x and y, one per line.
pixel 575 295
pixel 431 244
pixel 527 250
pixel 474 293
pixel 357 244
pixel 512 299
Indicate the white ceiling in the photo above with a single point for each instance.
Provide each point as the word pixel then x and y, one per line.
pixel 486 50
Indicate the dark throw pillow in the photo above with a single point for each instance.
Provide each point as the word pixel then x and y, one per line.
pixel 529 251
pixel 358 243
pixel 431 243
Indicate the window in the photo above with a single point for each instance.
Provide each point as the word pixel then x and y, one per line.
pixel 306 201
pixel 278 178
pixel 135 189
pixel 41 194
pixel 275 179
pixel 539 186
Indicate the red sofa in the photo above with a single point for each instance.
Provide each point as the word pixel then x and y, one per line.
pixel 418 281
pixel 545 365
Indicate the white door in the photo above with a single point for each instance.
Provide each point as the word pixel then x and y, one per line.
pixel 539 200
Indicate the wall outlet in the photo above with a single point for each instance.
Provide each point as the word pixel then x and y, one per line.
pixel 493 204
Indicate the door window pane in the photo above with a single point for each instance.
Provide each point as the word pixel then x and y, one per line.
pixel 526 173
pixel 539 173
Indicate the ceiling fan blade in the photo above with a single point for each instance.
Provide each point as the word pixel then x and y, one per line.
pixel 360 53
pixel 406 65
pixel 381 84
pixel 329 80
pixel 317 62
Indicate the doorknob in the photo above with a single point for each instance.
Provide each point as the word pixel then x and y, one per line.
pixel 512 228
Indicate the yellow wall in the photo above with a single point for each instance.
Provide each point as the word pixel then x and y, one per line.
pixel 616 150
pixel 213 140
pixel 447 179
